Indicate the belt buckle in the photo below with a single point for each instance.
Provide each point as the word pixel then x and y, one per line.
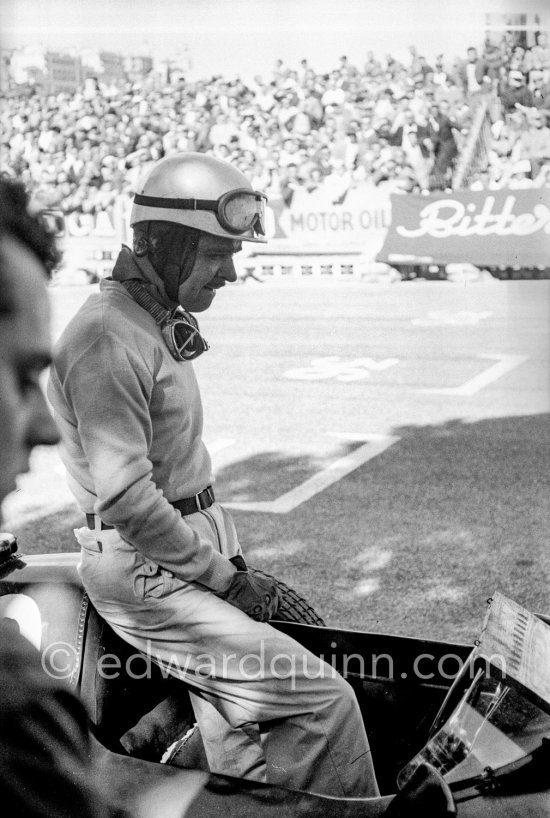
pixel 201 500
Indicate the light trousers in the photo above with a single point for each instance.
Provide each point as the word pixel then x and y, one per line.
pixel 267 709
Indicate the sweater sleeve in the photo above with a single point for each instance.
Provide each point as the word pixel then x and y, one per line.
pixel 108 388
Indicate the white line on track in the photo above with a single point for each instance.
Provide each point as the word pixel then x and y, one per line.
pixel 505 363
pixel 374 445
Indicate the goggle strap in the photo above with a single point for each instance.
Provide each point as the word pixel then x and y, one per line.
pixel 176 204
pixel 146 300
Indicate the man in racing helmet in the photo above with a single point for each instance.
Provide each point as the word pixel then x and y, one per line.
pixel 195 204
pixel 161 560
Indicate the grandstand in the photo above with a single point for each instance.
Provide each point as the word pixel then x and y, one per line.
pixel 328 148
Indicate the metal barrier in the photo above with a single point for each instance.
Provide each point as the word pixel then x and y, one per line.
pixel 314 266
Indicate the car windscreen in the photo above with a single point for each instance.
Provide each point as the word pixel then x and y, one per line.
pixel 493 725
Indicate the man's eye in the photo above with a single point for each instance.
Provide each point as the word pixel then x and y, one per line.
pixel 29 380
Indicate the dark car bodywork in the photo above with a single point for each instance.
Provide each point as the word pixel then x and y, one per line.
pixel 398 703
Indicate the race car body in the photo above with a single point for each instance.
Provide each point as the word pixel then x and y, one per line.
pixel 451 730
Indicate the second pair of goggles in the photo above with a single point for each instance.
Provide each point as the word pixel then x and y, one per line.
pixel 237 210
pixel 179 328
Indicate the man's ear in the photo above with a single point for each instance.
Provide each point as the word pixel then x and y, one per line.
pixel 141 246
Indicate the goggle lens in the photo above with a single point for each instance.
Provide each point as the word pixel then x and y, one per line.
pixel 242 211
pixel 184 339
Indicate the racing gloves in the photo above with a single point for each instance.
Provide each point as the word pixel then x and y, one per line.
pixel 256 595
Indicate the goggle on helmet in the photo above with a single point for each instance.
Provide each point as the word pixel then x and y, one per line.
pixel 203 192
pixel 237 211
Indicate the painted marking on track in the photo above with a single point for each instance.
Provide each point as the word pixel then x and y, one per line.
pixel 374 445
pixel 505 363
pixel 441 318
pixel 341 370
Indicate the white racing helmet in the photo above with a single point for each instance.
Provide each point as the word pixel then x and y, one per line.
pixel 199 191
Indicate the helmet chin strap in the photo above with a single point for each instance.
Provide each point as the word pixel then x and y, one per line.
pixel 172 250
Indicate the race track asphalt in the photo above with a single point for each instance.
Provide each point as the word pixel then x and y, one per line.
pixel 385 447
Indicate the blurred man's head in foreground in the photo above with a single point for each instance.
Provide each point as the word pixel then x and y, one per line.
pixel 27 256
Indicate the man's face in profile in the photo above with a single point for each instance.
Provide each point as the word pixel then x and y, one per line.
pixel 24 353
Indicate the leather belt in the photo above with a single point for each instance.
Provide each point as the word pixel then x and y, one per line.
pixel 90 522
pixel 188 505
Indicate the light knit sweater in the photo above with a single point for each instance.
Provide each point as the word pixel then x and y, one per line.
pixel 130 418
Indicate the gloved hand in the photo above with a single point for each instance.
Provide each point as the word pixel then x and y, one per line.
pixel 256 596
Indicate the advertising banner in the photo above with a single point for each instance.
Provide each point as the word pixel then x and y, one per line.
pixel 359 221
pixel 92 240
pixel 488 228
pixel 112 222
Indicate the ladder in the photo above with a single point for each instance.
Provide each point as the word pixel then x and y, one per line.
pixel 473 157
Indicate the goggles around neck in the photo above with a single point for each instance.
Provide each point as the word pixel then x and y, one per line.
pixel 237 210
pixel 182 337
pixel 180 329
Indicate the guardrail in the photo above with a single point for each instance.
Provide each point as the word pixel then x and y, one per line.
pixel 314 266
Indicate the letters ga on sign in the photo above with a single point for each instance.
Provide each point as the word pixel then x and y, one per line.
pixel 489 228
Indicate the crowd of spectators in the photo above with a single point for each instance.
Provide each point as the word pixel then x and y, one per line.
pixel 393 125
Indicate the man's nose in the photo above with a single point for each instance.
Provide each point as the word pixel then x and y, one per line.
pixel 228 271
pixel 41 430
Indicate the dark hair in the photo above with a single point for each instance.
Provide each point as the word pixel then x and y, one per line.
pixel 16 220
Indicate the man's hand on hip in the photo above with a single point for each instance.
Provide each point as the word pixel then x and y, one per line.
pixel 255 595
